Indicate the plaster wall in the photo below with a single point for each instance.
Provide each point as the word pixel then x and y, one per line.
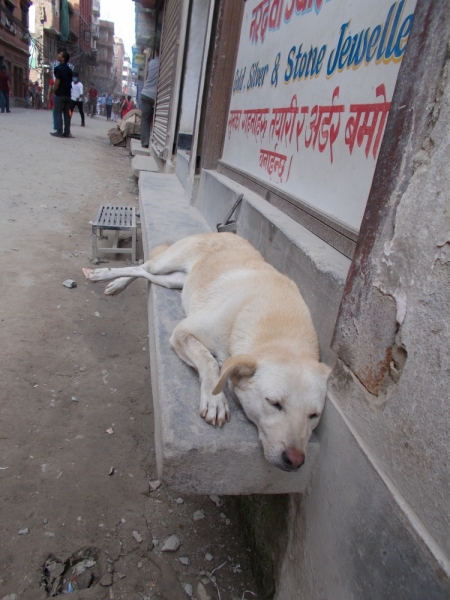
pixel 191 73
pixel 406 426
pixel 375 523
pixel 347 537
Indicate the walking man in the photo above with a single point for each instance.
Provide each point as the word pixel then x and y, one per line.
pixel 109 103
pixel 26 93
pixel 4 90
pixel 38 96
pixel 77 96
pixel 148 96
pixel 62 90
pixel 92 100
pixel 32 91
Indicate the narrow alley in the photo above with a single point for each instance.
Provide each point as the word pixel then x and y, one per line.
pixel 76 421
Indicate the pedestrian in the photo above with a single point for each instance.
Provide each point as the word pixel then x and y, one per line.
pixel 37 95
pixel 92 102
pixel 51 101
pixel 148 96
pixel 102 105
pixel 31 90
pixel 62 89
pixel 127 105
pixel 108 104
pixel 115 108
pixel 77 96
pixel 4 89
pixel 26 93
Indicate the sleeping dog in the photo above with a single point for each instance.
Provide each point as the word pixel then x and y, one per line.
pixel 246 326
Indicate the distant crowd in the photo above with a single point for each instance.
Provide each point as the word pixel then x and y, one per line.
pixel 113 106
pixel 66 93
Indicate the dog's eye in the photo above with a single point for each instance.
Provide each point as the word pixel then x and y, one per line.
pixel 314 416
pixel 276 405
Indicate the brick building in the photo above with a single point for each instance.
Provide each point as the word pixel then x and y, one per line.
pixel 126 75
pixel 146 26
pixel 14 39
pixel 82 56
pixel 104 76
pixel 65 25
pixel 119 55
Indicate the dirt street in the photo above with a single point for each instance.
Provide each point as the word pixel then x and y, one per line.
pixel 76 509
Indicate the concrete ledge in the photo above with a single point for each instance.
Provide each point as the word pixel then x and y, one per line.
pixel 143 163
pixel 137 149
pixel 182 166
pixel 193 457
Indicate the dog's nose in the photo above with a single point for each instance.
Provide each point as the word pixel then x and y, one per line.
pixel 292 458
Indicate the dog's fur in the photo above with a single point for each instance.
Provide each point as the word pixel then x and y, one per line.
pixel 247 318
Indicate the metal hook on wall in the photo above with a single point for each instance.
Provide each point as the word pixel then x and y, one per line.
pixel 227 225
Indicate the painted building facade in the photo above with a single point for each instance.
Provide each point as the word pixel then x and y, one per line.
pixel 126 75
pixel 104 76
pixel 14 41
pixel 119 55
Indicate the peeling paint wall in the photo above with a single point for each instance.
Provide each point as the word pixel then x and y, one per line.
pixel 406 426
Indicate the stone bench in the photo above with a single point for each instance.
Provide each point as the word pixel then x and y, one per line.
pixel 137 149
pixel 192 456
pixel 143 163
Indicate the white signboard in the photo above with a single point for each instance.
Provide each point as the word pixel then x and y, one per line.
pixel 312 90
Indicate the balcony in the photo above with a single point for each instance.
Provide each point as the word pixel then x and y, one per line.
pixel 96 8
pixel 95 32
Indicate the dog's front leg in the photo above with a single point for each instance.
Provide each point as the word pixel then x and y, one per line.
pixel 118 285
pixel 214 409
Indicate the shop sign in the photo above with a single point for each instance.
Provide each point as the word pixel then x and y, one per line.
pixel 311 94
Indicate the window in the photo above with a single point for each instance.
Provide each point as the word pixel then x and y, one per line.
pixel 24 10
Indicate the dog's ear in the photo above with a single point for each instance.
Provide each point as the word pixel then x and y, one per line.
pixel 236 367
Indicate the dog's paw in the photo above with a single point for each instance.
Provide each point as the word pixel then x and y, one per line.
pixel 116 286
pixel 214 409
pixel 93 274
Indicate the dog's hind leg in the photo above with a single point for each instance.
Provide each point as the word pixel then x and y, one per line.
pixel 174 280
pixel 180 256
pixel 214 409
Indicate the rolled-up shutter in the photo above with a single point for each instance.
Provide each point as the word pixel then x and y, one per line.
pixel 170 62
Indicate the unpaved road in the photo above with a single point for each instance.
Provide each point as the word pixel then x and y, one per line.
pixel 73 365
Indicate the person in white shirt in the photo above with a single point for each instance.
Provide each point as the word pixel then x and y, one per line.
pixel 77 96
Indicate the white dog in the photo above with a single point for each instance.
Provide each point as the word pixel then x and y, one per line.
pixel 242 315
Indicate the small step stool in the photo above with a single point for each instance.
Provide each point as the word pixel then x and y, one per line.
pixel 115 218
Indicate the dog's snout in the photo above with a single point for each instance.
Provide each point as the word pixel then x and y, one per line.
pixel 292 458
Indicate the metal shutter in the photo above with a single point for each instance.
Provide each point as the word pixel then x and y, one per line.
pixel 170 61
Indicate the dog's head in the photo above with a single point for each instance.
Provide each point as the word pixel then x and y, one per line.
pixel 283 399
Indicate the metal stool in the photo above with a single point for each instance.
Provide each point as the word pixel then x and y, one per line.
pixel 116 218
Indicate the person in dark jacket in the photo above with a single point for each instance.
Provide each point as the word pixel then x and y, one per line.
pixel 4 90
pixel 62 90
